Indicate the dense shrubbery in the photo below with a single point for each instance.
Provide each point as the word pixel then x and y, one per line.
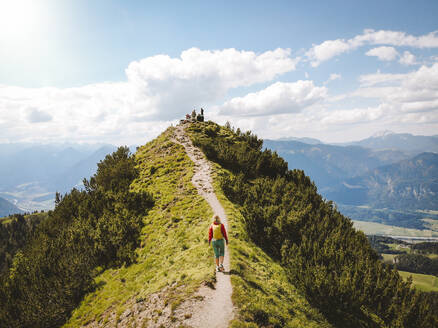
pixel 15 234
pixel 379 244
pixel 425 248
pixel 239 152
pixel 88 231
pixel 332 264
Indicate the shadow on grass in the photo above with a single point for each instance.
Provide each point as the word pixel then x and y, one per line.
pixel 230 272
pixel 98 286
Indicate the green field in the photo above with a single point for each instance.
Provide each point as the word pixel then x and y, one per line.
pixel 424 282
pixel 373 228
pixel 387 258
pixel 431 224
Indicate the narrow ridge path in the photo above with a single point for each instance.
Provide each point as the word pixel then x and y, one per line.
pixel 216 310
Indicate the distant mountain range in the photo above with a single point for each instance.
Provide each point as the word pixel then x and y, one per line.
pixel 329 165
pixel 409 184
pixel 7 208
pixel 401 141
pixel 32 173
pixel 397 171
pixel 310 141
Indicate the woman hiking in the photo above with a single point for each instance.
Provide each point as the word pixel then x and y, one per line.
pixel 218 233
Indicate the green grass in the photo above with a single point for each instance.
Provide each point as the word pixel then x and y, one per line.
pixel 373 228
pixel 424 282
pixel 174 247
pixel 5 220
pixel 387 258
pixel 399 247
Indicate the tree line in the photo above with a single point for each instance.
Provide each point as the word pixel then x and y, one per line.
pixel 330 262
pixel 416 263
pixel 88 231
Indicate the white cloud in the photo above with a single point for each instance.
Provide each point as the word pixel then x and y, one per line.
pixel 332 77
pixel 405 102
pixel 277 98
pixel 174 85
pixel 379 78
pixel 327 50
pixel 158 89
pixel 416 91
pixel 383 53
pixel 353 116
pixel 407 59
pixel 396 38
pixel 331 48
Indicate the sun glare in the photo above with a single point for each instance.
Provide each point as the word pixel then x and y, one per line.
pixel 19 20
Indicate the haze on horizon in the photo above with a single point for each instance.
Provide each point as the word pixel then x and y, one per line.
pixel 120 72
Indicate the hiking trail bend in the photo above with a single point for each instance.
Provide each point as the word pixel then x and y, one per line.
pixel 216 309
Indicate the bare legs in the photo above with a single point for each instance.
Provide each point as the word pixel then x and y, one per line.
pixel 219 261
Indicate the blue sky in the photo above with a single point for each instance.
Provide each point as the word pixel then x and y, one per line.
pixel 115 71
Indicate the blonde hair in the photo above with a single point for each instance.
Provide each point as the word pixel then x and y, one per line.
pixel 217 218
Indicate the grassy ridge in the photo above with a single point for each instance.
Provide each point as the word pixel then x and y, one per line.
pixel 174 243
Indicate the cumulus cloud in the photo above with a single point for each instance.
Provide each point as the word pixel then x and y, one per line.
pixel 158 89
pixel 383 53
pixel 416 91
pixel 200 77
pixel 407 59
pixel 405 102
pixel 277 98
pixel 327 50
pixel 331 48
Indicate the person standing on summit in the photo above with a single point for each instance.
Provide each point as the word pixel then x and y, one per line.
pixel 218 233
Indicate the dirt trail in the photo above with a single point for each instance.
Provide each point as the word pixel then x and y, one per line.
pixel 216 310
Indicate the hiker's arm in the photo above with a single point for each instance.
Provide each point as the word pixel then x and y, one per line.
pixel 210 234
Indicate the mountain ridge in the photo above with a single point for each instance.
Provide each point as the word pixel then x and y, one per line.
pixel 413 144
pixel 295 259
